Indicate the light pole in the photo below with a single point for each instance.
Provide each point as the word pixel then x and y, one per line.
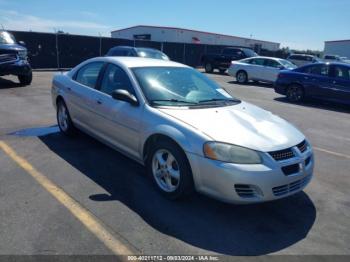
pixel 100 43
pixel 57 52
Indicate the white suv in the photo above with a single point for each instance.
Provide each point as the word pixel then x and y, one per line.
pixel 301 59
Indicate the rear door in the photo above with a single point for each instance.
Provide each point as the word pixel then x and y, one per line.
pixel 228 55
pixel 81 95
pixel 340 81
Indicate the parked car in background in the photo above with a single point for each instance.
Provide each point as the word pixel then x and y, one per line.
pixel 13 58
pixel 188 131
pixel 335 58
pixel 258 68
pixel 137 51
pixel 223 60
pixel 330 81
pixel 301 59
pixel 331 58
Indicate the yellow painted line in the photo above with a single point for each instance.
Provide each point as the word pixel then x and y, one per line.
pixel 92 223
pixel 331 152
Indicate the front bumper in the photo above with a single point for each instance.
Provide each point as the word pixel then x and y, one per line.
pixel 245 184
pixel 280 87
pixel 19 67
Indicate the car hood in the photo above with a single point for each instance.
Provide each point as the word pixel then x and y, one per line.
pixel 243 124
pixel 11 47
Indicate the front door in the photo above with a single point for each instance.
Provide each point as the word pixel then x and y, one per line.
pixel 117 122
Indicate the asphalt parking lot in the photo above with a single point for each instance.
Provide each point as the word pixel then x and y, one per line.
pixel 93 189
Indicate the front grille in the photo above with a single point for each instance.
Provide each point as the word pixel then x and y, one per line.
pixel 302 146
pixel 8 58
pixel 282 154
pixel 292 187
pixel 290 170
pixel 246 191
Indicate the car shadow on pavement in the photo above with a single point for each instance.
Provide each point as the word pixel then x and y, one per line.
pixel 320 104
pixel 5 83
pixel 198 221
pixel 251 83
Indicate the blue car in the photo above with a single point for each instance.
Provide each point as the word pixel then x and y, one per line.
pixel 329 81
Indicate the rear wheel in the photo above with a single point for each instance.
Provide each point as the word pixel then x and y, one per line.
pixel 242 77
pixel 25 79
pixel 295 93
pixel 63 119
pixel 169 169
pixel 208 68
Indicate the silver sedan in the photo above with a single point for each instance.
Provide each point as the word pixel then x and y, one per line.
pixel 187 130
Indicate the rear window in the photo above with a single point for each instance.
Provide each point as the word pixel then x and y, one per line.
pixel 342 72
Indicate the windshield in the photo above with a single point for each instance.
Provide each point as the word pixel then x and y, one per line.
pixel 7 38
pixel 287 64
pixel 150 53
pixel 180 86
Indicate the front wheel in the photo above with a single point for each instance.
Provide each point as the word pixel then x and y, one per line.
pixel 169 169
pixel 295 93
pixel 208 68
pixel 25 79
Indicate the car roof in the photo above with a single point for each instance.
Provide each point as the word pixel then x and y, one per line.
pixel 302 55
pixel 132 47
pixel 266 57
pixel 131 62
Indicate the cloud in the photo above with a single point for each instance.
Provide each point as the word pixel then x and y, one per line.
pixel 14 20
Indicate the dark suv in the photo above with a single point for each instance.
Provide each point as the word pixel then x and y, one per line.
pixel 137 51
pixel 13 58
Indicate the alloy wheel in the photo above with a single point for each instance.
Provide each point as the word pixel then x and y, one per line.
pixel 165 170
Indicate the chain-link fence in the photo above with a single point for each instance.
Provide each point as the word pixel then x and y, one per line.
pixel 48 50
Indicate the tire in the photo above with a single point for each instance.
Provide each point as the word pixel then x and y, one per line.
pixel 295 93
pixel 169 169
pixel 64 120
pixel 222 71
pixel 242 77
pixel 208 68
pixel 25 79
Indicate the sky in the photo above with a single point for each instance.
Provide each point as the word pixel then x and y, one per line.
pixel 298 24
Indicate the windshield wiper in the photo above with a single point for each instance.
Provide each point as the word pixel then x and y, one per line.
pixel 173 101
pixel 219 100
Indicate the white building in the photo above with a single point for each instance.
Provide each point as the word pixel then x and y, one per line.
pixel 339 47
pixel 180 35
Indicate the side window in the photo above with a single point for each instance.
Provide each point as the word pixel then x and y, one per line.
pixel 317 70
pixel 115 78
pixel 88 74
pixel 272 63
pixel 295 57
pixel 258 61
pixel 342 72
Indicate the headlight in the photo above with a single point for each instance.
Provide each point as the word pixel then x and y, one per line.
pixel 22 54
pixel 231 153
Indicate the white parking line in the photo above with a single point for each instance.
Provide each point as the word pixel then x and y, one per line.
pixel 331 152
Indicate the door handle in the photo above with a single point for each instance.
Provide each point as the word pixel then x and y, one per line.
pixel 69 88
pixel 99 101
pixel 334 82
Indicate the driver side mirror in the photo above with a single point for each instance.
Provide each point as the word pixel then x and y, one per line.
pixel 22 43
pixel 124 95
pixel 281 67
